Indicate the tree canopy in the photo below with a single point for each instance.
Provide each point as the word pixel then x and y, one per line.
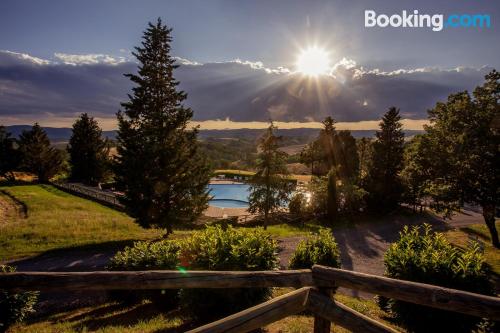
pixel 88 151
pixel 464 138
pixel 270 187
pixel 37 155
pixel 163 175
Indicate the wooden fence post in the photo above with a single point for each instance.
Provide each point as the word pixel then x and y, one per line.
pixel 322 325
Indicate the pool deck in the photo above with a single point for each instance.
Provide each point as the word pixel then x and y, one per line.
pixel 220 212
pixel 215 181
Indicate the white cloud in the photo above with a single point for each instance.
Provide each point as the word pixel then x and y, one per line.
pixel 184 61
pixel 27 58
pixel 89 59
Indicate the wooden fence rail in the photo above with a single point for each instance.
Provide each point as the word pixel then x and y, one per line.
pixel 103 197
pixel 311 295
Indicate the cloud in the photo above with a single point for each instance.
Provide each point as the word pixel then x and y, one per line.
pixel 35 89
pixel 89 59
pixel 14 58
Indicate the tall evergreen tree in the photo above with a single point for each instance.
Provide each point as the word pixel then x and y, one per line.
pixel 332 149
pixel 326 140
pixel 384 185
pixel 465 138
pixel 163 175
pixel 37 156
pixel 365 155
pixel 270 187
pixel 88 151
pixel 9 156
pixel 346 156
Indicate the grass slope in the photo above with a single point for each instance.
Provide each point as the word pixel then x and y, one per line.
pixel 480 233
pixel 56 219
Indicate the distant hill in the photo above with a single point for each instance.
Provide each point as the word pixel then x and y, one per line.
pixel 56 134
pixel 60 135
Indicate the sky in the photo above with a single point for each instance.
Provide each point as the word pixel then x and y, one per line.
pixel 60 58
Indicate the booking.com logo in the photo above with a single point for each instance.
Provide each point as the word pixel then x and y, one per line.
pixel 416 20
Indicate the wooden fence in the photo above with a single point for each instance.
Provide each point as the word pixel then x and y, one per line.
pixel 314 293
pixel 103 197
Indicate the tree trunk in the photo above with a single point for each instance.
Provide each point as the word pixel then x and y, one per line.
pixel 265 220
pixel 169 231
pixel 489 219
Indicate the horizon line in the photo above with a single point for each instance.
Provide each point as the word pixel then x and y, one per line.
pixel 109 124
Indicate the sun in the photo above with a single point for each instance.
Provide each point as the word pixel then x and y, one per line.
pixel 313 61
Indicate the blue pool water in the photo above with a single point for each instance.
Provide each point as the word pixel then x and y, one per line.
pixel 229 195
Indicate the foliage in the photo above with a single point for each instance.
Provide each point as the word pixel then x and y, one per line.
pixel 321 249
pixel 332 208
pixel 9 156
pixel 416 171
pixel 270 187
pixel 147 255
pixel 346 156
pixel 216 248
pixel 384 185
pixel 38 156
pixel 365 156
pixel 319 195
pixel 311 155
pixel 162 255
pixel 352 198
pixel 424 256
pixel 159 165
pixel 88 151
pixel 298 204
pixel 14 308
pixel 332 149
pixel 464 142
pixel 229 153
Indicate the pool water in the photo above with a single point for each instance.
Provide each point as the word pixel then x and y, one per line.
pixel 229 195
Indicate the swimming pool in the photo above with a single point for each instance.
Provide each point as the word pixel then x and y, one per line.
pixel 229 195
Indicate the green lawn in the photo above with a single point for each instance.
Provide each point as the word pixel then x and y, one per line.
pixel 287 230
pixel 57 220
pixel 480 233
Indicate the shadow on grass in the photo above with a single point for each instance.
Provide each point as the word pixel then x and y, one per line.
pixel 478 234
pixel 121 315
pixel 73 258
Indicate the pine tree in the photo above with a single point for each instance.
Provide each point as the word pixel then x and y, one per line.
pixel 88 151
pixel 270 187
pixel 384 185
pixel 332 149
pixel 9 156
pixel 163 175
pixel 38 156
pixel 346 156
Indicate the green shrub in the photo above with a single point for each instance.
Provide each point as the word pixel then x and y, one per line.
pixel 218 249
pixel 147 256
pixel 321 249
pixel 14 308
pixel 422 255
pixel 297 204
